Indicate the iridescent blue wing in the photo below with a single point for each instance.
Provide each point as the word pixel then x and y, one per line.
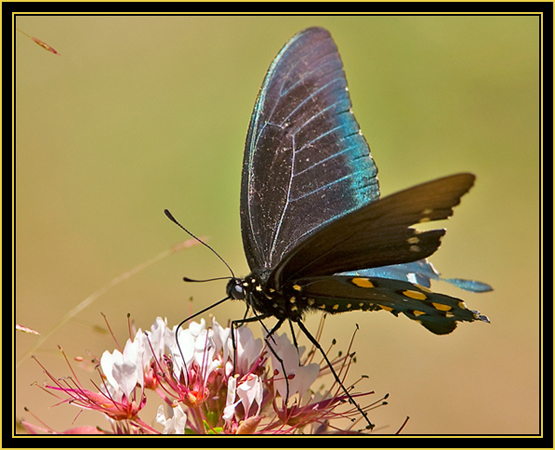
pixel 419 272
pixel 306 162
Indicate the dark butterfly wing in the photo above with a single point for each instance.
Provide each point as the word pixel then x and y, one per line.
pixel 378 234
pixel 306 162
pixel 437 312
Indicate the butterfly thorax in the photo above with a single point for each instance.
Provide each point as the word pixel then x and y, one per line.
pixel 267 301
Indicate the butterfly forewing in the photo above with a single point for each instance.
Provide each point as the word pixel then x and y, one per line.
pixel 304 150
pixel 378 234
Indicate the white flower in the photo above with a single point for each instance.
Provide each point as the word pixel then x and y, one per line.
pixel 249 392
pixel 160 337
pixel 124 371
pixel 229 410
pixel 248 349
pixel 176 423
pixel 300 378
pixel 198 346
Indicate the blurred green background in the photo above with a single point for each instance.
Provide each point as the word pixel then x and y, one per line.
pixel 138 114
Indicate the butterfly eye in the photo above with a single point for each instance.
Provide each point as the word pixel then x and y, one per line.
pixel 239 292
pixel 235 289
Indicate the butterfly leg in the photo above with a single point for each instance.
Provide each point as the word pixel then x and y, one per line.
pixel 351 399
pixel 293 337
pixel 269 335
pixel 235 324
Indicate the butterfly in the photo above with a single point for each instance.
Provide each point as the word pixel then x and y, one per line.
pixel 316 234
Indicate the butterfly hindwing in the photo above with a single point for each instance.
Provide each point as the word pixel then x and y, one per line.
pixel 419 272
pixel 335 294
pixel 306 162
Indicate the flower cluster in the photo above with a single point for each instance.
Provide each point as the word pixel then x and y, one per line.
pixel 209 383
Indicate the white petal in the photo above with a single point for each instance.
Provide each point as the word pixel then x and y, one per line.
pixel 176 423
pixel 249 392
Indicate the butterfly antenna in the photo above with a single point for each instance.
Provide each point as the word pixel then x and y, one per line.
pixel 174 220
pixel 186 372
pixel 192 280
